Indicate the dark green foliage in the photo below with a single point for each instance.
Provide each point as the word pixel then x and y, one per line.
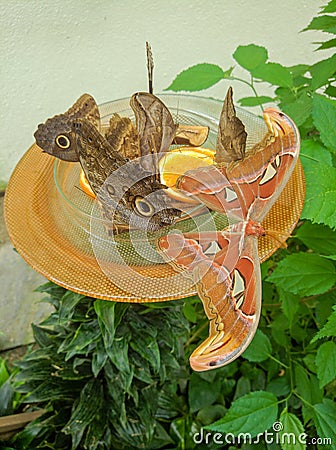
pixel 116 375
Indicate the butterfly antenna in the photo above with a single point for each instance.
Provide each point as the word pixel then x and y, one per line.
pixel 150 67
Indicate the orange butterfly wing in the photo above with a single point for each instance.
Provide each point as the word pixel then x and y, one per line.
pixel 231 297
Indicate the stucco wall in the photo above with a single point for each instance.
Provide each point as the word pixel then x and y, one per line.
pixel 52 51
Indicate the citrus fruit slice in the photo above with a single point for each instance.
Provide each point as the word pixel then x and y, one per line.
pixel 178 161
pixel 84 184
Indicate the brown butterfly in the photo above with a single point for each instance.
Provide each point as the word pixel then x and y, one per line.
pixel 128 191
pixel 54 136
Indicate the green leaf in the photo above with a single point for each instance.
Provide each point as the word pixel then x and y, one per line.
pixel 304 274
pixel 320 196
pixel 4 374
pixel 99 358
pixel 67 305
pixel 201 393
pixel 189 312
pixel 331 90
pixel 324 307
pixel 274 73
pixel 90 402
pixel 259 349
pixel 326 45
pixel 300 109
pixel 243 387
pixel 6 398
pixel 255 101
pixel 253 413
pixel 289 304
pixel 147 347
pixel 330 7
pixel 324 416
pixel 105 314
pixel 279 387
pixel 326 363
pixel 292 426
pixel 319 238
pixel 329 328
pixel 313 152
pixel 250 56
pixel 197 78
pixel 324 117
pixel 210 413
pixel 325 23
pixel 85 336
pixel 322 71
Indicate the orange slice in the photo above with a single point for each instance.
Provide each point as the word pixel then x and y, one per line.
pixel 84 184
pixel 178 161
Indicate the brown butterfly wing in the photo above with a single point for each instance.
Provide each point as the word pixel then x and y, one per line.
pixel 123 136
pixel 231 139
pixel 55 136
pixel 155 126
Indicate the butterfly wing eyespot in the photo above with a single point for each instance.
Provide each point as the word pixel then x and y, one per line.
pixel 63 142
pixel 143 207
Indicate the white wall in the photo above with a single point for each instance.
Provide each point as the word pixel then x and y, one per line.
pixel 52 51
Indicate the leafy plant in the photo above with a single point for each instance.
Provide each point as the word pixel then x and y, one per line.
pixel 115 375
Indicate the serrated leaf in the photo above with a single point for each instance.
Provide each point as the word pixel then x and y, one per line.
pixel 253 413
pixel 330 7
pixel 250 56
pixel 313 152
pixel 274 73
pixel 300 109
pixel 197 78
pixel 325 23
pixel 324 415
pixel 289 304
pixel 322 71
pixel 319 238
pixel 292 426
pixel 329 329
pixel 324 117
pixel 260 348
pixel 326 45
pixel 326 363
pixel 255 101
pixel 304 274
pixel 319 205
